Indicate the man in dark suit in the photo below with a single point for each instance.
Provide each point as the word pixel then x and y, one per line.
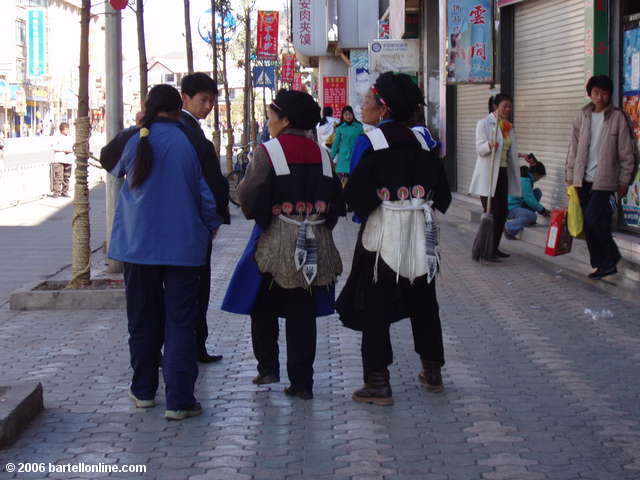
pixel 198 95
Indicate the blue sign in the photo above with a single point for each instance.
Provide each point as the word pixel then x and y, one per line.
pixel 470 34
pixel 36 64
pixel 204 26
pixel 264 77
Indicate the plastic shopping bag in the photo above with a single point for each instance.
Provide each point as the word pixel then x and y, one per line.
pixel 575 220
pixel 558 239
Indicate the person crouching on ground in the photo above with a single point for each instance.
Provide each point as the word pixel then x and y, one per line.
pixel 601 163
pixel 523 210
pixel 162 241
pixel 392 190
pixel 290 266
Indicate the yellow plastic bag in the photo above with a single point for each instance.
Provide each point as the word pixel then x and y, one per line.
pixel 575 221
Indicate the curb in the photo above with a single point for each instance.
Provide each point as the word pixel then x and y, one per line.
pixel 19 405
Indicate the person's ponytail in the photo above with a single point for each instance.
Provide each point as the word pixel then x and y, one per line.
pixel 161 98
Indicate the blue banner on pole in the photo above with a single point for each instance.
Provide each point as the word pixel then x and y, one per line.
pixel 264 77
pixel 36 63
pixel 470 35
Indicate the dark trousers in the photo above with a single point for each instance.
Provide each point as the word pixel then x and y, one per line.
pixel 422 304
pixel 204 289
pixel 499 204
pixel 60 174
pixel 162 306
pixel 298 307
pixel 598 207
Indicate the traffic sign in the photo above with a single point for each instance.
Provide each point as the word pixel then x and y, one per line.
pixel 264 77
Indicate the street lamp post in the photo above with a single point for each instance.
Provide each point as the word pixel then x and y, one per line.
pixel 114 111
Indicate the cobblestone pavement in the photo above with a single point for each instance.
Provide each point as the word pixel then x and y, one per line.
pixel 535 389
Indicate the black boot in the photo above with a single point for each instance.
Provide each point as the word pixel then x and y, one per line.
pixel 430 376
pixel 376 390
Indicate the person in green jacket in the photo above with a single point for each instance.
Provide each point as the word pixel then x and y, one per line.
pixel 347 132
pixel 523 210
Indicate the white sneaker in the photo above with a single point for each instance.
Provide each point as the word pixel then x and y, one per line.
pixel 182 414
pixel 141 403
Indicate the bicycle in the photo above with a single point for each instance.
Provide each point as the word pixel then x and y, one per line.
pixel 240 162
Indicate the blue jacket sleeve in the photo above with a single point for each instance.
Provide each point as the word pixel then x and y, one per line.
pixel 527 195
pixel 362 144
pixel 208 210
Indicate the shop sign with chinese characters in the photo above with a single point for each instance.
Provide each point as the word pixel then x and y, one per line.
pixel 267 35
pixel 297 82
pixel 288 67
pixel 334 92
pixel 309 19
pixel 470 41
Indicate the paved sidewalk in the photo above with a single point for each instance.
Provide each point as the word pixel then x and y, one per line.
pixel 35 238
pixel 535 389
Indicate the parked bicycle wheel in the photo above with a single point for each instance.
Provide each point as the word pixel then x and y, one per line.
pixel 234 179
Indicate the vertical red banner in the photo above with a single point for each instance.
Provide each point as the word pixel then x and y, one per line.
pixel 334 93
pixel 288 67
pixel 297 82
pixel 267 35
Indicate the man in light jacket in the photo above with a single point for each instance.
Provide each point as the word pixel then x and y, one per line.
pixel 601 163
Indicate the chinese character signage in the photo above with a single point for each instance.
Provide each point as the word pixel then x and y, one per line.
pixel 297 82
pixel 334 92
pixel 288 67
pixel 470 38
pixel 36 64
pixel 267 35
pixel 309 21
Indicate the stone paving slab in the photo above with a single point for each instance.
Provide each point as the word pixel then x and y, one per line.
pixel 535 389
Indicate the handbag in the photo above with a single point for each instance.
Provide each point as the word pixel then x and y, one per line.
pixel 559 240
pixel 575 220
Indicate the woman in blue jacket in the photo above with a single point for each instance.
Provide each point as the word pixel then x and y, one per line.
pixel 165 218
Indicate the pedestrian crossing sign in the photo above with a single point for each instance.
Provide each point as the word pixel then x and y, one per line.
pixel 264 77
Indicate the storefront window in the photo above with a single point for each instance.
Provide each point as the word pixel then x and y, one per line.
pixel 21 32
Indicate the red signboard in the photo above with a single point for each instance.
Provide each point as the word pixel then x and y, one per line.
pixel 288 67
pixel 334 93
pixel 297 82
pixel 118 4
pixel 267 35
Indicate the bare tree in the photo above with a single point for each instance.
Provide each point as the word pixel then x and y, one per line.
pixel 216 106
pixel 81 232
pixel 225 8
pixel 142 52
pixel 187 34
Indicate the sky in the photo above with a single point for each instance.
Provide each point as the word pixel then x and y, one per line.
pixel 164 27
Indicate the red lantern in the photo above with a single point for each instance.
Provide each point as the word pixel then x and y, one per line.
pixel 118 4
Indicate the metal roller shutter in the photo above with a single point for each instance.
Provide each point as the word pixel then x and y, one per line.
pixel 549 84
pixel 471 106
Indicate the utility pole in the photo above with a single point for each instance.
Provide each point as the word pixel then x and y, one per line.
pixel 187 34
pixel 248 124
pixel 114 111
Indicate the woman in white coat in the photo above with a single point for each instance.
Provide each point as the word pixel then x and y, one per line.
pixel 495 132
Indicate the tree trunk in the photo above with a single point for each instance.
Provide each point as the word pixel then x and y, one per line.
pixel 80 229
pixel 216 107
pixel 227 100
pixel 248 124
pixel 142 52
pixel 187 34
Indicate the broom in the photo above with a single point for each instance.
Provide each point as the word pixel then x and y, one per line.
pixel 484 243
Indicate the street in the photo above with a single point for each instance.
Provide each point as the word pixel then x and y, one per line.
pixel 536 387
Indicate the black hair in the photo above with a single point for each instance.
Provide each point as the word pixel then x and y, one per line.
pixel 491 105
pixel 63 125
pixel 501 97
pixel 603 82
pixel 417 119
pixel 298 107
pixel 347 108
pixel 399 93
pixel 161 99
pixel 198 82
pixel 326 112
pixel 538 168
